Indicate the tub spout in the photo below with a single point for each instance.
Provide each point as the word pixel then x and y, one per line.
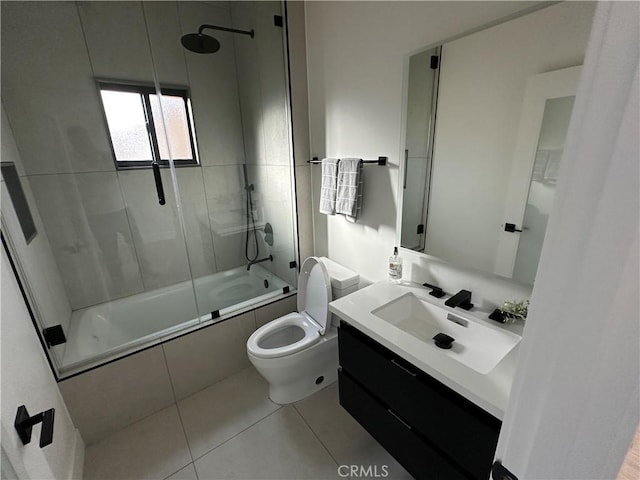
pixel 252 262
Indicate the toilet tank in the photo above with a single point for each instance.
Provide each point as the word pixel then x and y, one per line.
pixel 343 280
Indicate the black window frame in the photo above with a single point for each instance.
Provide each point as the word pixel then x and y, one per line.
pixel 145 90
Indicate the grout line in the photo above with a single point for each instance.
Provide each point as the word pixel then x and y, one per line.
pixel 173 391
pixel 190 463
pixel 242 431
pixel 313 431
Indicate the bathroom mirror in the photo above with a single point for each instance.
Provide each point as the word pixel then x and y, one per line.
pixel 466 175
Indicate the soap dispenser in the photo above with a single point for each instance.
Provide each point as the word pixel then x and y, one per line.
pixel 395 266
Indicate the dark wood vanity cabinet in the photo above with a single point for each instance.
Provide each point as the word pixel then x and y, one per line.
pixel 434 432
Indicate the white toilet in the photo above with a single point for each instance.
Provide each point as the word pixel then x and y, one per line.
pixel 298 352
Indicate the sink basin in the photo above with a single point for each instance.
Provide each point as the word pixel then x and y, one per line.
pixel 479 347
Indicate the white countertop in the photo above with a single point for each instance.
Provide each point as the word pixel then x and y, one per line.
pixel 490 391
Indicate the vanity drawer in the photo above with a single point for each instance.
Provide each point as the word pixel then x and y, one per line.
pixel 464 432
pixel 395 436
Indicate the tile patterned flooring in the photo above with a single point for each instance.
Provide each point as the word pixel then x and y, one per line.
pixel 231 430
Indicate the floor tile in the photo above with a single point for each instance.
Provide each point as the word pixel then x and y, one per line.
pixel 279 447
pixel 215 414
pixel 342 435
pixel 186 473
pixel 154 447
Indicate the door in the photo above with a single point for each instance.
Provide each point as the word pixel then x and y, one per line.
pixel 28 380
pixel 544 121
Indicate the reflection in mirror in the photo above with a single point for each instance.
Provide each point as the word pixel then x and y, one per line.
pixel 422 92
pixel 463 175
pixel 553 132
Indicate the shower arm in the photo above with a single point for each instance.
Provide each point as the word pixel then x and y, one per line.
pixel 225 29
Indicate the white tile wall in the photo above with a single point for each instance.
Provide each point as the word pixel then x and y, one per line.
pixel 214 91
pixel 121 242
pixel 116 38
pixel 86 222
pixel 167 52
pixel 224 190
pixel 36 258
pixel 275 310
pixel 156 228
pixel 242 15
pixel 272 85
pixel 196 218
pixel 209 355
pixel 104 400
pixel 48 89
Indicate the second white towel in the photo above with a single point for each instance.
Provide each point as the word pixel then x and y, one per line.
pixel 349 188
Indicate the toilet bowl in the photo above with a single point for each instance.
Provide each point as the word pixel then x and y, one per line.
pixel 298 353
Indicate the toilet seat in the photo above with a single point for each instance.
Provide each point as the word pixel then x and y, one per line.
pixel 311 336
pixel 314 295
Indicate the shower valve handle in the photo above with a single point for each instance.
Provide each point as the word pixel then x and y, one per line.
pixel 158 178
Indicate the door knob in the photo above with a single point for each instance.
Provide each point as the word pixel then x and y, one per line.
pixel 24 424
pixel 511 227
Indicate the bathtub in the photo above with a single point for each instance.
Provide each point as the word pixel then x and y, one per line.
pixel 108 330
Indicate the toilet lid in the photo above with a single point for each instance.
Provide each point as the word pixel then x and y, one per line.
pixel 314 292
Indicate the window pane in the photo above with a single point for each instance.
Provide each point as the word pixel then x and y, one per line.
pixel 175 118
pixel 127 125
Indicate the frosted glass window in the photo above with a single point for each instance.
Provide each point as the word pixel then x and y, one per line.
pixel 176 123
pixel 138 134
pixel 127 125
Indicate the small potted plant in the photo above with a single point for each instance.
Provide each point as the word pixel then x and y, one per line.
pixel 510 312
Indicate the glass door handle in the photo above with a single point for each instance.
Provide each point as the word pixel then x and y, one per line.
pixel 158 178
pixel 406 166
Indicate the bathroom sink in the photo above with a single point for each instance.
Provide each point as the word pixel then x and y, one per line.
pixel 478 346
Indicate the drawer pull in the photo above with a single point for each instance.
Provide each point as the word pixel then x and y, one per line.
pixel 399 419
pixel 413 374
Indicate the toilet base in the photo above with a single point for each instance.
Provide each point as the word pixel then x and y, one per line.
pixel 284 394
pixel 294 377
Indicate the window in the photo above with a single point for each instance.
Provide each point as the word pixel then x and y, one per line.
pixel 135 128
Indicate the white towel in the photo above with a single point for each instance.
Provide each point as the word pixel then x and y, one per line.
pixel 349 195
pixel 329 183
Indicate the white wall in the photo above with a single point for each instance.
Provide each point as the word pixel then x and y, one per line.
pixel 482 87
pixel 355 55
pixel 27 380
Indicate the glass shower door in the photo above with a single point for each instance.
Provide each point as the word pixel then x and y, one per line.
pixel 110 238
pixel 238 202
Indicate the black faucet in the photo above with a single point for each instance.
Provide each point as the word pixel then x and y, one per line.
pixel 461 299
pixel 435 291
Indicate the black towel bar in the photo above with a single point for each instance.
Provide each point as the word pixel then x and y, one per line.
pixel 380 161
